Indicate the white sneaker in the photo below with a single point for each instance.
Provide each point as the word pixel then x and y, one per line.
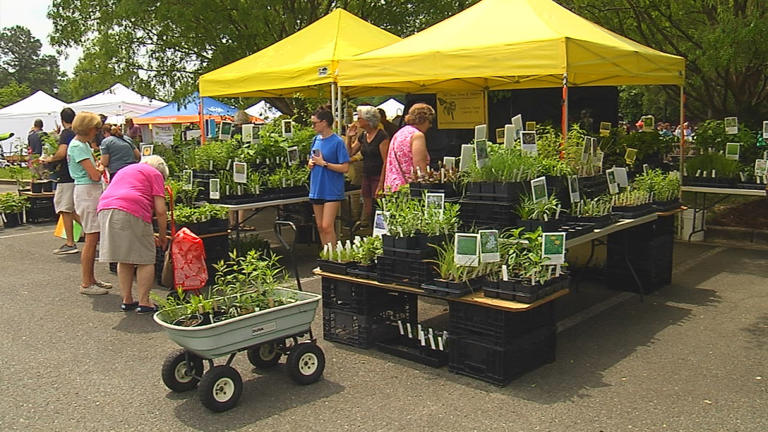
pixel 66 249
pixel 92 290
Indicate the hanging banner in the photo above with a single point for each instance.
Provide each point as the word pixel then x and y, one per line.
pixel 162 134
pixel 460 110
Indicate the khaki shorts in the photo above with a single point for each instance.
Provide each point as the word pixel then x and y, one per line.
pixel 86 201
pixel 64 198
pixel 125 238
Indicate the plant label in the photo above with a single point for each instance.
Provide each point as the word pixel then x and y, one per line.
pixel 517 122
pixel 539 188
pixel 489 246
pixel 449 162
pixel 553 247
pixel 400 327
pixel 530 126
pixel 605 128
pixel 646 168
pixel 761 166
pixel 481 132
pixel 435 201
pixel 621 176
pixel 649 123
pixel 573 189
pixel 732 151
pixel 467 156
pixel 765 129
pixel 186 175
pixel 613 186
pixel 292 155
pixel 240 172
pixel 731 125
pixel 599 159
pixel 481 153
pixel 287 128
pixel 247 135
pixel 210 128
pixel 528 142
pixel 225 131
pixel 147 150
pixel 509 135
pixel 214 189
pixel 380 223
pixel 500 136
pixel 504 272
pixel 466 248
pixel 630 156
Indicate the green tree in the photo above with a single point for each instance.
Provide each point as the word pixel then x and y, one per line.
pixel 168 44
pixel 21 61
pixel 724 42
pixel 12 93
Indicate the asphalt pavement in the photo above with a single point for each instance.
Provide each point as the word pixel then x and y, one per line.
pixel 690 357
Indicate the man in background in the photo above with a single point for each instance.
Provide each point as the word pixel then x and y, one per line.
pixel 133 131
pixel 35 138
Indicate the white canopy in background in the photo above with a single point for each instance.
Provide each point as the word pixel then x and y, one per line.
pixel 19 117
pixel 117 101
pixel 392 107
pixel 264 111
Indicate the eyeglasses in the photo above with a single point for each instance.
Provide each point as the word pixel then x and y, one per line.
pixel 316 122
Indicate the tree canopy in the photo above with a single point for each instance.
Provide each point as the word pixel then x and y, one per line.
pixel 23 68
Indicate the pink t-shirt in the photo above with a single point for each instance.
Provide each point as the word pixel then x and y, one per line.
pixel 133 190
pixel 400 158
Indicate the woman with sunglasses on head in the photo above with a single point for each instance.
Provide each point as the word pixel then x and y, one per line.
pixel 328 163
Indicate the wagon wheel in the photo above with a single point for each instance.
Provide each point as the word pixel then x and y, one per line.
pixel 306 363
pixel 265 355
pixel 220 388
pixel 180 375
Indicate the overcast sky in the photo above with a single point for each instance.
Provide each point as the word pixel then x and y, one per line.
pixel 32 15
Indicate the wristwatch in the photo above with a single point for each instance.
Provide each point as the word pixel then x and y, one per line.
pixel 325 165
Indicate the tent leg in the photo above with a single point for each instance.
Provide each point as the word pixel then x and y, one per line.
pixel 682 132
pixel 202 122
pixel 341 107
pixel 564 122
pixel 333 103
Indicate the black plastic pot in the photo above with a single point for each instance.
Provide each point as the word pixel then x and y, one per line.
pixel 13 219
pixel 335 267
pixel 546 226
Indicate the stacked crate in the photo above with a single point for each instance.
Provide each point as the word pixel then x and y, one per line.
pixel 649 249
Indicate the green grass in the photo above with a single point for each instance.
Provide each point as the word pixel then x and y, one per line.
pixel 5 174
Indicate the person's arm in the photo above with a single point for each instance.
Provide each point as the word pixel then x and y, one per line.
pixel 104 158
pixel 339 167
pixel 353 142
pixel 162 221
pixel 384 150
pixel 61 154
pixel 94 172
pixel 419 151
pixel 136 154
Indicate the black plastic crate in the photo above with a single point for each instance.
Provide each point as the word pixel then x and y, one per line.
pixel 487 214
pixel 404 271
pixel 496 325
pixel 40 208
pixel 362 299
pixel 500 363
pixel 364 330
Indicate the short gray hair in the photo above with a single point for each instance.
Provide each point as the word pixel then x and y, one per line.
pixel 158 163
pixel 369 114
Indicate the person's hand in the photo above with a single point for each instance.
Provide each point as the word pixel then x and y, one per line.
pixel 317 159
pixel 161 242
pixel 352 130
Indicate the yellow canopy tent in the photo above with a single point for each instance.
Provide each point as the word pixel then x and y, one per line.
pixel 306 58
pixel 508 44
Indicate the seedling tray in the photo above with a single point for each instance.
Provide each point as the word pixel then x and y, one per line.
pixel 335 267
pixel 633 212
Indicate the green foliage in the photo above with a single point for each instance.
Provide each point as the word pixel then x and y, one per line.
pixel 663 186
pixel 711 136
pixel 249 242
pixel 521 253
pixel 599 206
pixel 11 202
pixel 189 215
pixel 705 163
pixel 366 250
pixel 15 173
pixel 543 210
pixel 22 65
pixel 504 165
pixel 218 153
pixel 13 92
pixel 446 266
pixel 630 198
pixel 407 216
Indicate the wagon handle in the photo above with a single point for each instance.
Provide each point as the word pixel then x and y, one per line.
pixel 278 233
pixel 170 206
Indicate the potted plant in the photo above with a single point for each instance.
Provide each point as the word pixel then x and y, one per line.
pixel 203 219
pixel 337 259
pixel 543 214
pixel 453 280
pixel 631 203
pixel 364 252
pixel 12 207
pixel 665 188
pixel 596 211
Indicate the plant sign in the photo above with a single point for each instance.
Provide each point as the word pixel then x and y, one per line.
pixel 649 123
pixel 292 155
pixel 509 135
pixel 240 172
pixel 449 162
pixel 226 130
pixel 599 159
pixel 210 128
pixel 630 155
pixel 765 129
pixel 613 186
pixel 731 125
pixel 573 189
pixel 605 128
pixel 621 176
pixel 467 156
pixel 379 223
pixel 732 151
pixel 528 140
pixel 594 148
pixel 256 135
pixel 646 168
pixel 287 127
pixel 147 150
pixel 489 246
pixel 539 188
pixel 500 136
pixel 214 189
pixel 481 152
pixel 247 135
pixel 466 247
pixel 585 150
pixel 435 201
pixel 481 132
pixel 517 122
pixel 553 248
pixel 761 166
pixel 530 126
pixel 186 175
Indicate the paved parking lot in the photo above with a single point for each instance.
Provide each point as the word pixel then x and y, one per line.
pixel 691 357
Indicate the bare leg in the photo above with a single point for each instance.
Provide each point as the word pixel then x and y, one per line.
pixel 87 259
pixel 326 221
pixel 367 210
pixel 145 277
pixel 67 219
pixel 125 277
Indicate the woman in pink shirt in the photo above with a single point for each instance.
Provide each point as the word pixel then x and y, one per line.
pixel 408 148
pixel 125 214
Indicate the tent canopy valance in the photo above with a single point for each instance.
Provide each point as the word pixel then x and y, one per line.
pixel 304 59
pixel 188 112
pixel 508 44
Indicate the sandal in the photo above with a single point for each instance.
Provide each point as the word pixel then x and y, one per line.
pixel 146 309
pixel 129 306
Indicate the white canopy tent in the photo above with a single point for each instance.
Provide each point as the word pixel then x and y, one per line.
pixel 392 107
pixel 263 110
pixel 117 102
pixel 19 117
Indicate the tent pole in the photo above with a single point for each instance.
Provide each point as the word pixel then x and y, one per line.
pixel 200 111
pixel 564 122
pixel 341 107
pixel 333 101
pixel 682 131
